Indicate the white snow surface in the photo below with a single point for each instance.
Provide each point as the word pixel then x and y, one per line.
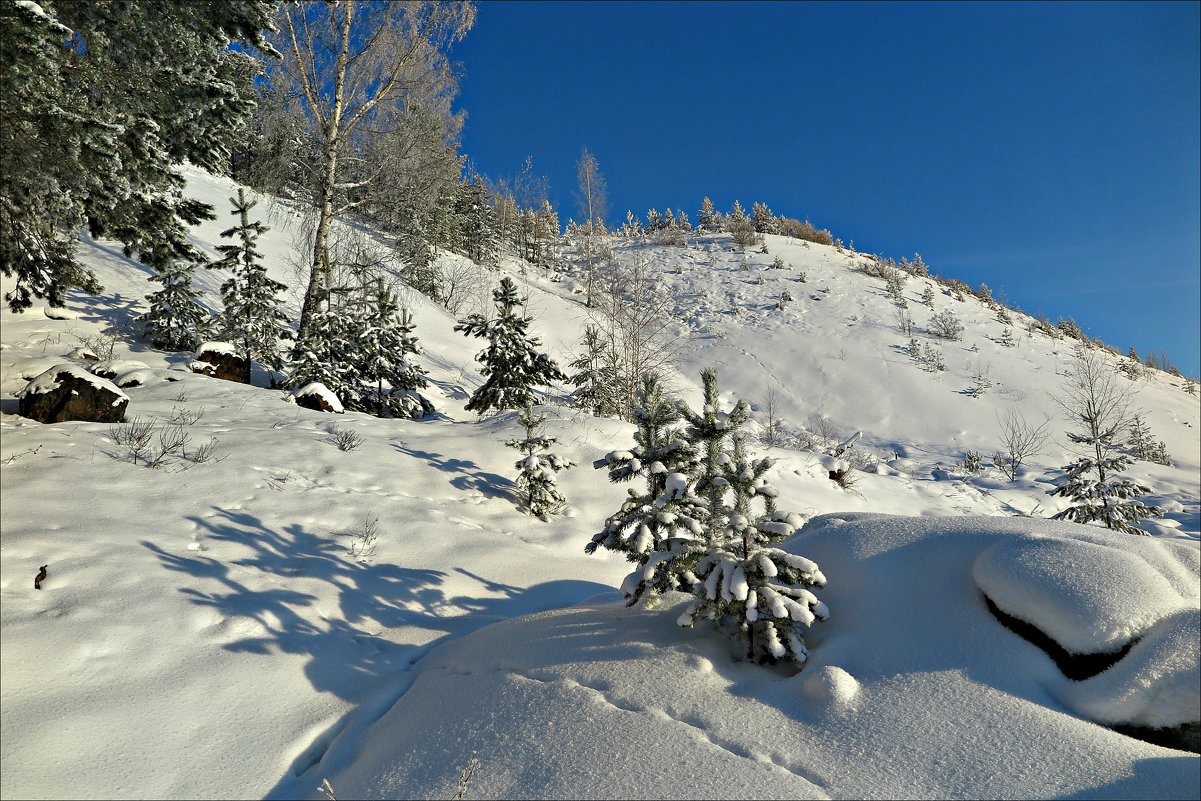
pixel 215 347
pixel 208 632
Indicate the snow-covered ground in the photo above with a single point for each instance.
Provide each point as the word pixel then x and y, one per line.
pixel 214 630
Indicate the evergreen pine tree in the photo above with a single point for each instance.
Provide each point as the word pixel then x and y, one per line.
pixel 253 319
pixel 101 102
pixel 511 362
pixel 385 342
pixel 177 320
pixel 651 520
pixel 536 469
pixel 1097 494
pixel 759 591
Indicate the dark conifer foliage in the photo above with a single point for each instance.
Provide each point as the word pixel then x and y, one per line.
pixel 253 320
pixel 101 101
pixel 512 363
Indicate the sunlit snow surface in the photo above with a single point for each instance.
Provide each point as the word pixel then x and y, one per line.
pixel 208 632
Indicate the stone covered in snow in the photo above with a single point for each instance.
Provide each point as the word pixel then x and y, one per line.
pixel 221 360
pixel 318 397
pixel 68 392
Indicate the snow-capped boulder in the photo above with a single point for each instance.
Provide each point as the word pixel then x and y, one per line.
pixel 69 392
pixel 220 360
pixel 318 397
pixel 60 313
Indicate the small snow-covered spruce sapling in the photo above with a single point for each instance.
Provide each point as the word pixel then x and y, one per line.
pixel 536 469
pixel 1093 396
pixel 1097 494
pixel 326 353
pixel 512 364
pixel 385 343
pixel 253 320
pixel 717 549
pixel 653 515
pixel 597 376
pixel 742 582
pixel 177 321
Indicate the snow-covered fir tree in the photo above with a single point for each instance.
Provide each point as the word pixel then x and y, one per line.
pixel 706 218
pixel 665 508
pixel 743 583
pixel 1097 493
pixel 537 469
pixel 100 106
pixel 512 363
pixel 385 343
pixel 480 237
pixel 177 320
pixel 595 376
pixel 327 354
pixel 253 319
pixel 695 497
pixel 720 551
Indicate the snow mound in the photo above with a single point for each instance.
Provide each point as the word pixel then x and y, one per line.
pixel 830 684
pixel 913 677
pixel 1089 598
pixel 1157 684
pixel 215 347
pixel 60 314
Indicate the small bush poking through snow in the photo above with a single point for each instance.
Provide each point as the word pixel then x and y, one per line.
pixel 346 439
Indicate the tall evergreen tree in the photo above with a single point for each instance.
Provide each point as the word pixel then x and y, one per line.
pixel 706 218
pixel 101 101
pixel 512 363
pixel 253 319
pixel 536 478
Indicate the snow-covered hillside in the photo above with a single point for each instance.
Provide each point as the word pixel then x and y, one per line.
pixel 214 630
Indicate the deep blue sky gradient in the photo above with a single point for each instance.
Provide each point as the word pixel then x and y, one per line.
pixel 1050 150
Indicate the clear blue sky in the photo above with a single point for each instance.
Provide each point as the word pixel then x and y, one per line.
pixel 1052 151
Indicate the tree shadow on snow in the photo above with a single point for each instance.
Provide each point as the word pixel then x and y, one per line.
pixel 343 649
pixel 470 477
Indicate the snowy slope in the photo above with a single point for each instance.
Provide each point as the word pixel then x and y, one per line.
pixel 206 632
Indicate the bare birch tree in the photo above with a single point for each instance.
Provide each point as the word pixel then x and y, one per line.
pixel 593 200
pixel 359 66
pixel 634 314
